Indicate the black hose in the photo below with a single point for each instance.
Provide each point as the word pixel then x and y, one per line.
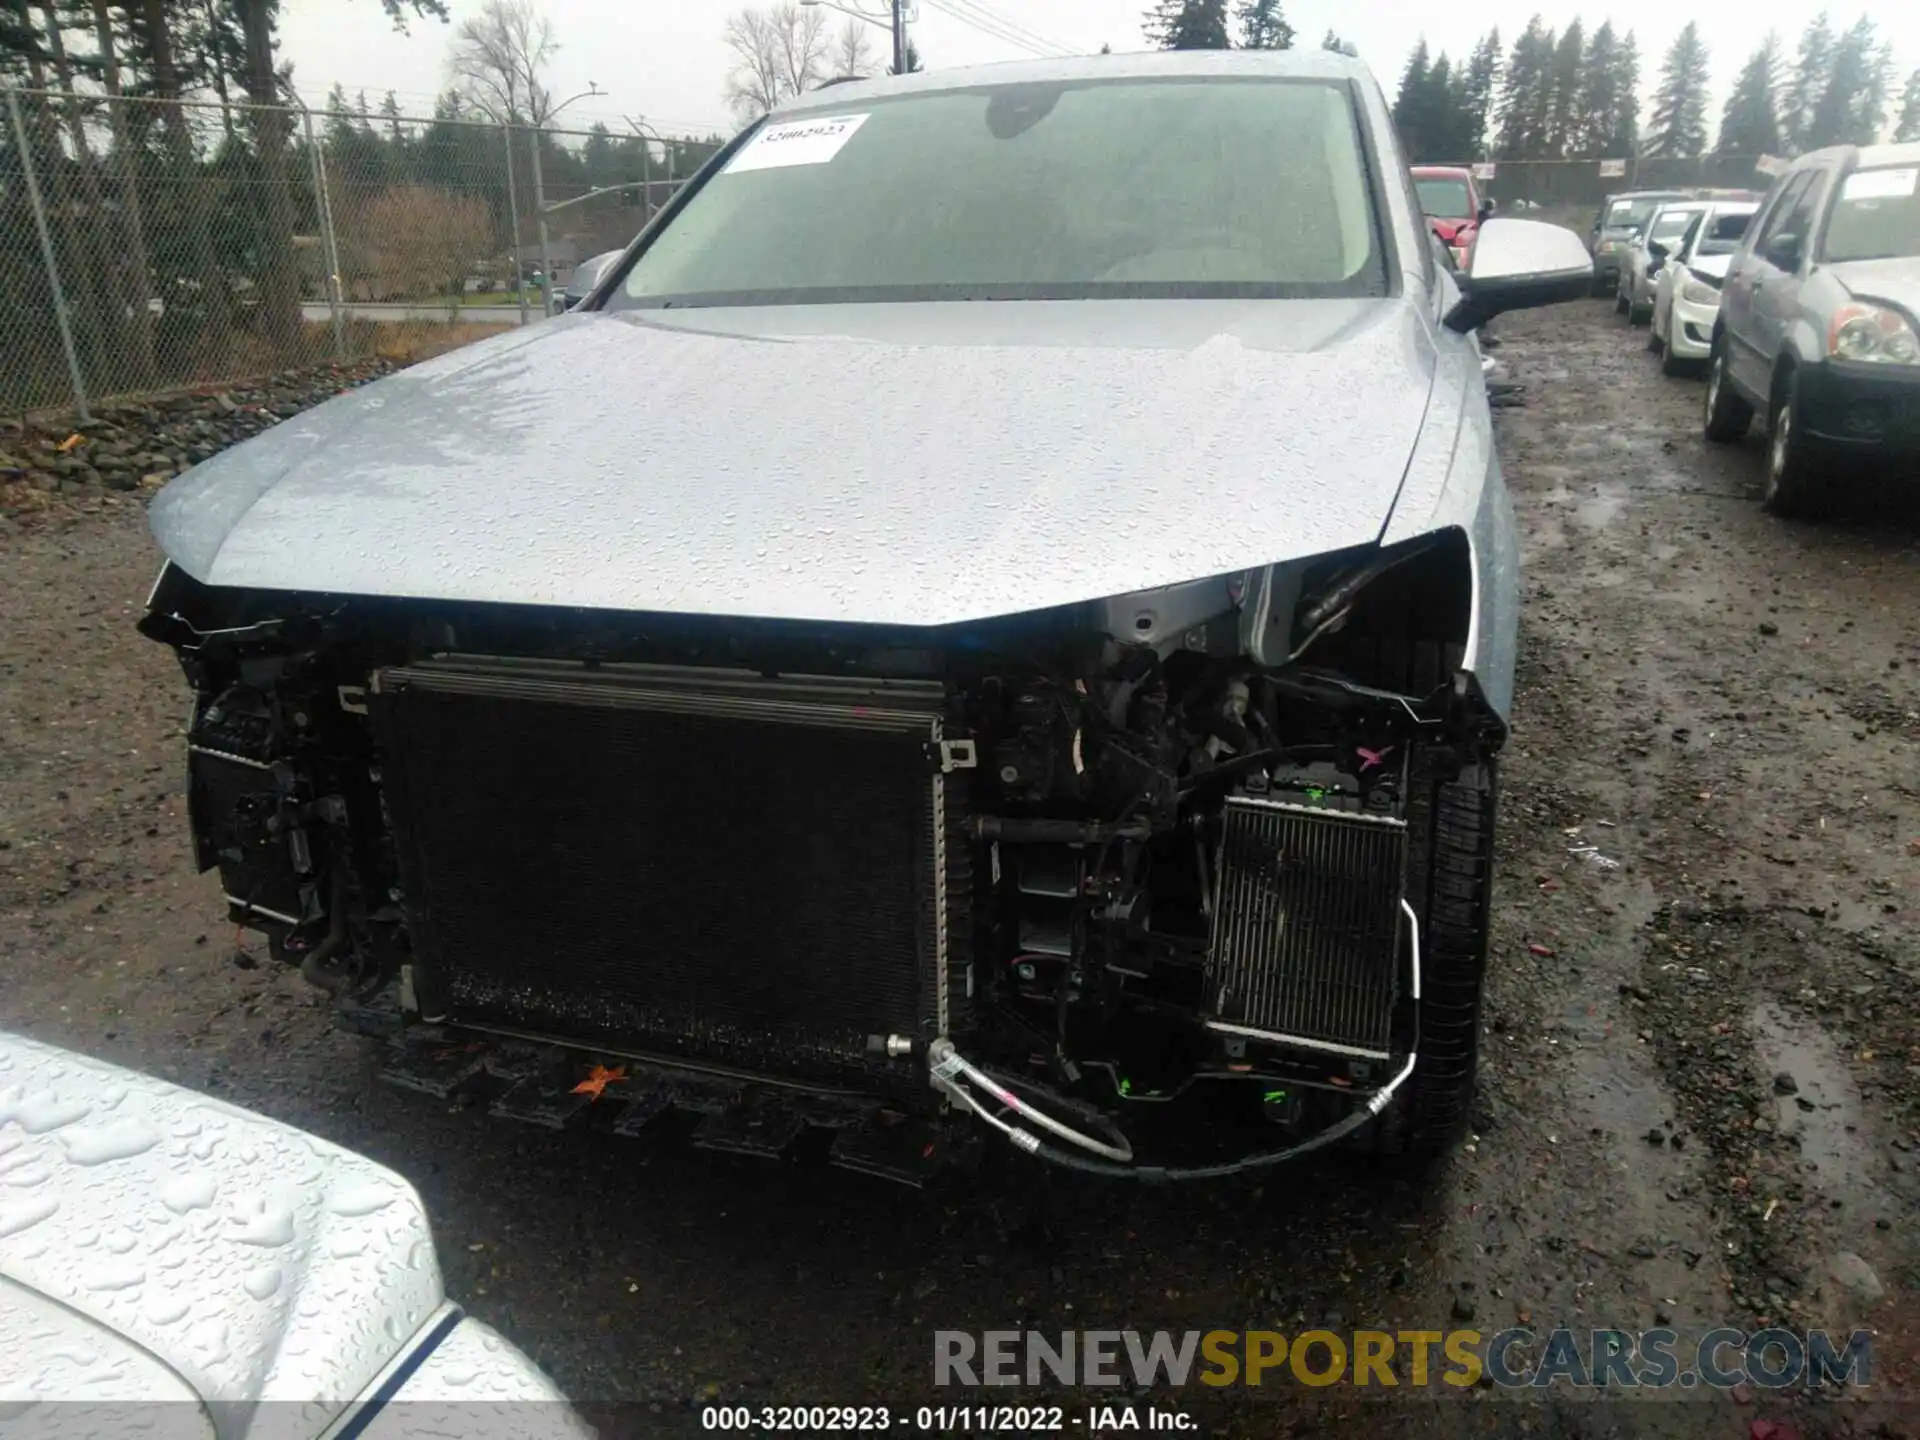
pixel 1058 832
pixel 313 965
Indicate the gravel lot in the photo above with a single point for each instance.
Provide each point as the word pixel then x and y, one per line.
pixel 1702 1091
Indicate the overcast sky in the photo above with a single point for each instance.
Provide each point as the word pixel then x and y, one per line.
pixel 664 59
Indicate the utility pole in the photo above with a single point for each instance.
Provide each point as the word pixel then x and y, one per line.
pixel 898 8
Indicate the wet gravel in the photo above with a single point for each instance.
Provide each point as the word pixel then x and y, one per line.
pixel 1701 1101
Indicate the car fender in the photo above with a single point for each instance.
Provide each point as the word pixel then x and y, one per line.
pixel 1453 481
pixel 1804 345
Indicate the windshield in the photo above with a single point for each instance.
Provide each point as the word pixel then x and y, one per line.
pixel 1723 234
pixel 1624 213
pixel 1876 216
pixel 1445 199
pixel 1670 224
pixel 1038 191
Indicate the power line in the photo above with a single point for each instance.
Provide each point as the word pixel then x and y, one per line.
pixel 988 25
pixel 1015 27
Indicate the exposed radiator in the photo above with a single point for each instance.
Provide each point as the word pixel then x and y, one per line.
pixel 1306 926
pixel 748 871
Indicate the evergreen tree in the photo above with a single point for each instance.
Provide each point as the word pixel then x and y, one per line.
pixel 1852 107
pixel 1564 131
pixel 1428 113
pixel 1342 47
pixel 1479 83
pixel 1409 106
pixel 1263 26
pixel 1440 115
pixel 1680 105
pixel 1812 68
pixel 1598 105
pixel 1909 124
pixel 1188 25
pixel 390 116
pixel 1526 99
pixel 1624 138
pixel 1750 123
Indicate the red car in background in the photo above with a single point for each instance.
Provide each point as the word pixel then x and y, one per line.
pixel 1453 206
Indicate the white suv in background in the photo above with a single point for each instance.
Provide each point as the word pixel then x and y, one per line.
pixel 1686 296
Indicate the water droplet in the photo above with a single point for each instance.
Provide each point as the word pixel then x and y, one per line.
pixel 188 1192
pixel 263 1282
pixel 98 1144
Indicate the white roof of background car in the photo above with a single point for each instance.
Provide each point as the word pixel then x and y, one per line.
pixel 1305 64
pixel 1866 157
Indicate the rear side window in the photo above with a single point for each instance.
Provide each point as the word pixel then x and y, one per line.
pixel 1791 207
pixel 1723 235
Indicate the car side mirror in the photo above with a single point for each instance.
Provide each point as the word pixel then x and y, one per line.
pixel 1784 251
pixel 1517 265
pixel 1486 210
pixel 1656 249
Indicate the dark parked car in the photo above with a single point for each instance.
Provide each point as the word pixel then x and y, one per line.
pixel 1819 326
pixel 1620 218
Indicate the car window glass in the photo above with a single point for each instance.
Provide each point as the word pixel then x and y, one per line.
pixel 1791 213
pixel 1033 191
pixel 1722 234
pixel 1670 224
pixel 1445 199
pixel 1876 216
pixel 1779 200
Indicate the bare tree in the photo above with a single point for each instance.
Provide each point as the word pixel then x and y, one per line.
pixel 779 51
pixel 499 58
pixel 852 52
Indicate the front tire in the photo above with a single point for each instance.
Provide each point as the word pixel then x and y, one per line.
pixel 1728 417
pixel 1671 364
pixel 1795 488
pixel 1450 833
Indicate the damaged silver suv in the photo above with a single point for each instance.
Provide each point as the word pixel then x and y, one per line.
pixel 996 615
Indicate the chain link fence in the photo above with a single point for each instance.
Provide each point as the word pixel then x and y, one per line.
pixel 148 244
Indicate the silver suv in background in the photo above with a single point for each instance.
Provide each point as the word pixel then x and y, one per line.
pixel 1819 324
pixel 1640 263
pixel 1619 218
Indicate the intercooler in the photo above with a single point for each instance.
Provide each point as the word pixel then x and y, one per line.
pixel 707 864
pixel 1306 926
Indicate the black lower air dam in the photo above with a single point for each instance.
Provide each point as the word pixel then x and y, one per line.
pixel 753 872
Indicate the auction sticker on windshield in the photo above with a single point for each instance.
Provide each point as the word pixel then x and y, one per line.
pixel 1881 184
pixel 797 142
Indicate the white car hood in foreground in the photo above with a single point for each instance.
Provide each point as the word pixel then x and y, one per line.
pixel 895 464
pixel 249 1262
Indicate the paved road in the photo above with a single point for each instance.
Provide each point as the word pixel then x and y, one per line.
pixel 1726 707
